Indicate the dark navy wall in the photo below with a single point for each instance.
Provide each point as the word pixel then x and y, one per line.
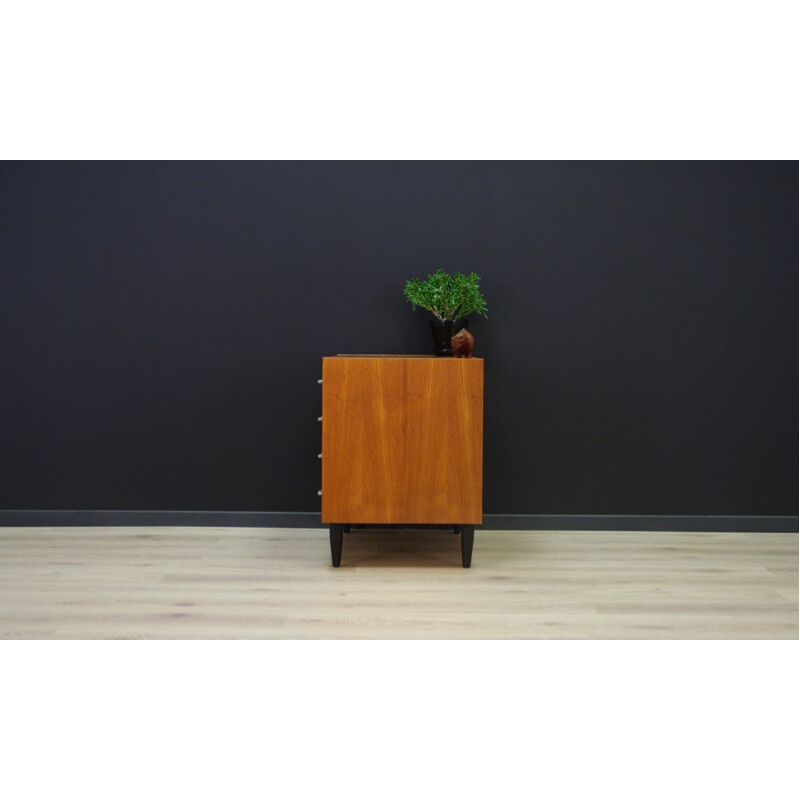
pixel 162 324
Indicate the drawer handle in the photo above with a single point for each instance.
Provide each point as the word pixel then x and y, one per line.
pixel 319 419
pixel 319 455
pixel 320 492
pixel 320 380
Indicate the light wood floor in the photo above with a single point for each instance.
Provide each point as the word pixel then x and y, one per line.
pixel 226 583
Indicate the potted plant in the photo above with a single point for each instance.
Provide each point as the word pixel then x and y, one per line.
pixel 449 298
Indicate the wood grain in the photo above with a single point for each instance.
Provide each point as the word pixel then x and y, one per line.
pixel 444 441
pixel 363 448
pixel 402 440
pixel 248 583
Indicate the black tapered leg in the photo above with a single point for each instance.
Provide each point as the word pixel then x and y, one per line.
pixel 467 538
pixel 336 544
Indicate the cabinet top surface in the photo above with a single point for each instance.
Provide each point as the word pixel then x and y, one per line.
pixel 398 355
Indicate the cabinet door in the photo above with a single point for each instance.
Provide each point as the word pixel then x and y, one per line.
pixel 444 440
pixel 363 451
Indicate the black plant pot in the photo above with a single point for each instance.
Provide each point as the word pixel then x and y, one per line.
pixel 443 332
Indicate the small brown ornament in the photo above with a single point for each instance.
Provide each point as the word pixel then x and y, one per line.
pixel 463 344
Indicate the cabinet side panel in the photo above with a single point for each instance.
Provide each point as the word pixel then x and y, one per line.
pixel 444 441
pixel 363 458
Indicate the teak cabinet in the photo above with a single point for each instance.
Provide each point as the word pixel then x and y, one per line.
pixel 402 443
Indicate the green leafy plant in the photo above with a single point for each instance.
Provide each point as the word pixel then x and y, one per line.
pixel 447 296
